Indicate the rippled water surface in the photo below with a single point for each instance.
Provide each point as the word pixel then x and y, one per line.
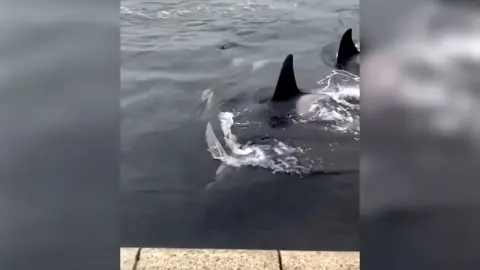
pixel 180 61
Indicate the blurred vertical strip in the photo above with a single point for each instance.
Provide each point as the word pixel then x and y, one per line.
pixel 59 134
pixel 420 173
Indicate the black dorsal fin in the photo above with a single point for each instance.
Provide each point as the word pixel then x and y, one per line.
pixel 346 49
pixel 286 85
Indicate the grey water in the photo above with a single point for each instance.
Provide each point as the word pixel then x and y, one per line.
pixel 171 52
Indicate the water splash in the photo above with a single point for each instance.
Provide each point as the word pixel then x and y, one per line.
pixel 127 11
pixel 341 101
pixel 338 104
pixel 272 154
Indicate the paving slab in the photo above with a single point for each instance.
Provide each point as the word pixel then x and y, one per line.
pixel 211 259
pixel 127 258
pixel 317 260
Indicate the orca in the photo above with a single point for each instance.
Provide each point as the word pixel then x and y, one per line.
pixel 348 57
pixel 288 98
pixel 287 105
pixel 286 88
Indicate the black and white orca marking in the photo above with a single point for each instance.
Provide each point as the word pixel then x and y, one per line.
pixel 348 59
pixel 288 98
pixel 287 103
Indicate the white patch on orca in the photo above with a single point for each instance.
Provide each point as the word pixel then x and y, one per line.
pixel 306 104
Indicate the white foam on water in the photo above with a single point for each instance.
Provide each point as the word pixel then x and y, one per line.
pixel 214 145
pixel 139 97
pixel 338 102
pixel 237 61
pixel 124 10
pixel 276 155
pixel 334 105
pixel 260 64
pixel 207 98
pixel 164 14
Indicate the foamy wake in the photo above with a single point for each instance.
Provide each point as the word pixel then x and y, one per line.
pixel 274 155
pixel 338 105
pixel 124 10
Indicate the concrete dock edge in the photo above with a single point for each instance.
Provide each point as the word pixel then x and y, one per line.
pixel 135 258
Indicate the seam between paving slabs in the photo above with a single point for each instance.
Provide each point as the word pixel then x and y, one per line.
pixel 137 258
pixel 279 255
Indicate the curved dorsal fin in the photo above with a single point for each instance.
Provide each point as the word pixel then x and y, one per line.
pixel 346 49
pixel 286 85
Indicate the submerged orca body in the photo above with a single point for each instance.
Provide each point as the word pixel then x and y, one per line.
pixel 348 57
